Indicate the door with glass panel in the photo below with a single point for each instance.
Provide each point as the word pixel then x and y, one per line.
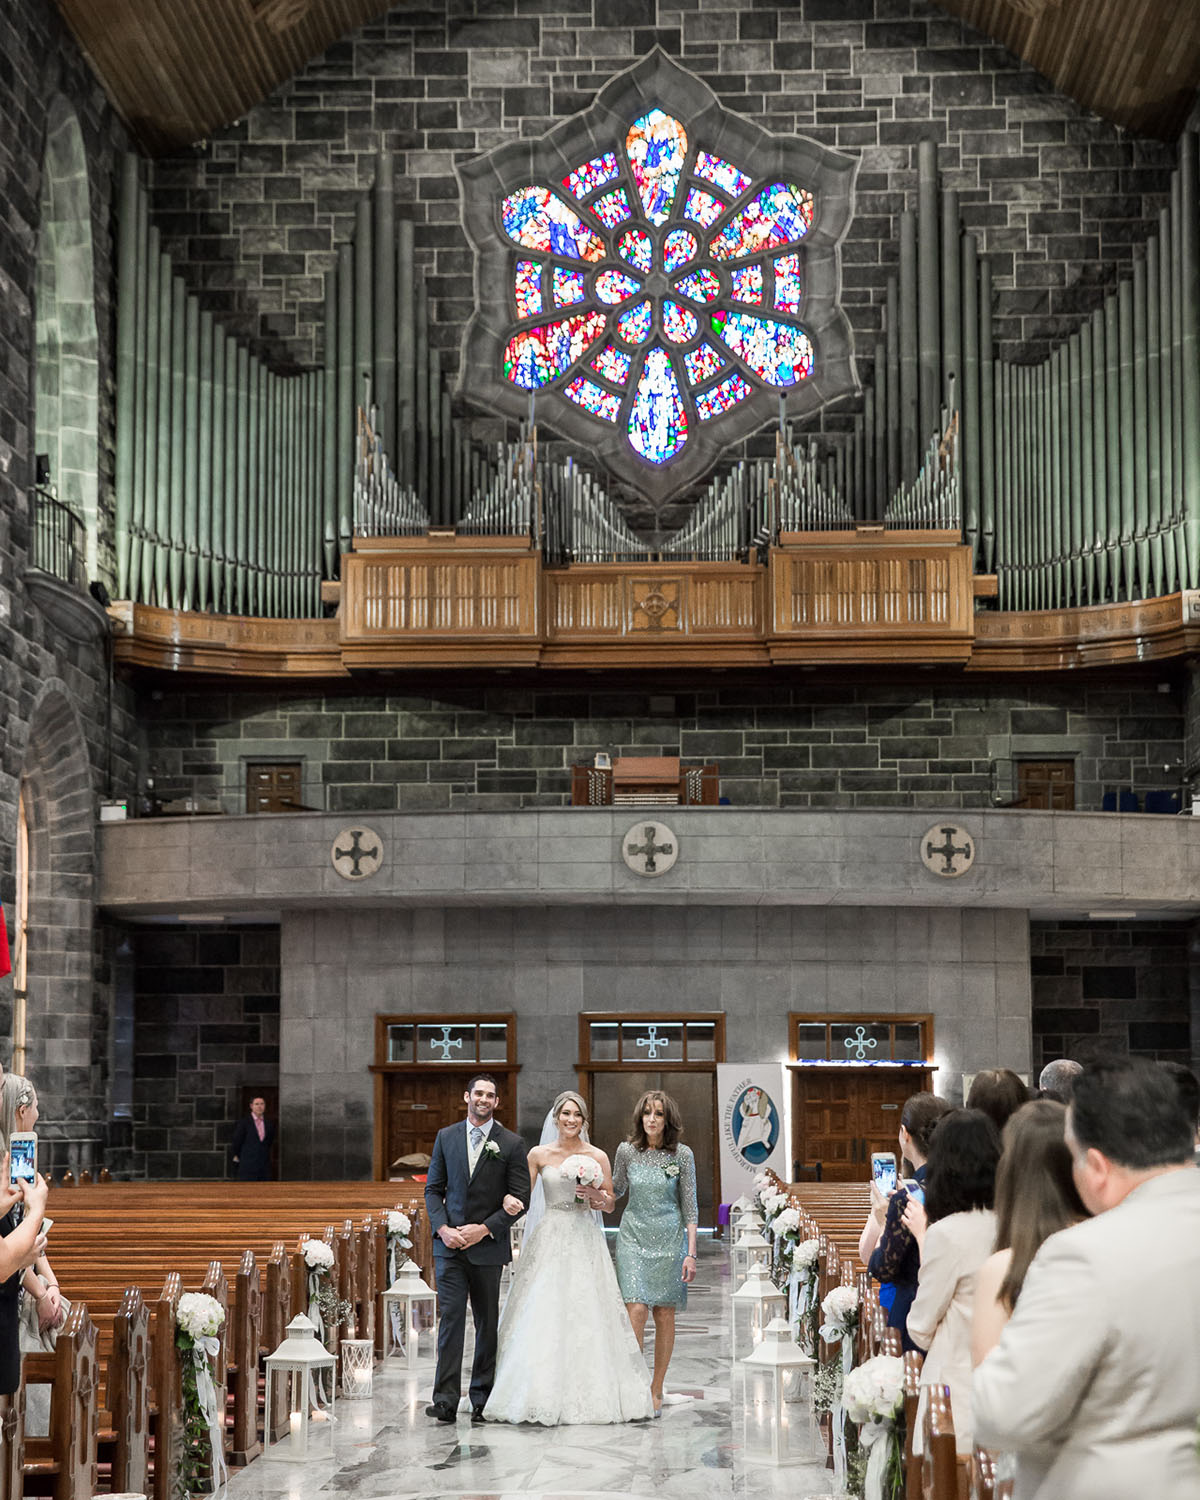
pixel 422 1066
pixel 621 1056
pixel 851 1076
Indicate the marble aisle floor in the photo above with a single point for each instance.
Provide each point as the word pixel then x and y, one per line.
pixel 387 1449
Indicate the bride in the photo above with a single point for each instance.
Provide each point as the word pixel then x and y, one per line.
pixel 567 1353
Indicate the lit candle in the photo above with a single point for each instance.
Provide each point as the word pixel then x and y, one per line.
pixel 299 1435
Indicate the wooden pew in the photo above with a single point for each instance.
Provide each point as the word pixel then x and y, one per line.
pixel 64 1464
pixel 124 1443
pixel 12 1444
pixel 943 1474
pixel 982 1483
pixel 167 1415
pixel 913 1360
pixel 243 1347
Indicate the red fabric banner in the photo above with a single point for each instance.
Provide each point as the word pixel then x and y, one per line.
pixel 5 961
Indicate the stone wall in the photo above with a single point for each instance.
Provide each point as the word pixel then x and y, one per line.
pixel 206 1026
pixel 779 743
pixel 1057 195
pixel 1121 987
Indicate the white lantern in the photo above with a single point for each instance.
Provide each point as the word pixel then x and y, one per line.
pixel 400 1312
pixel 301 1363
pixel 777 1399
pixel 751 1246
pixel 358 1367
pixel 755 1303
pixel 750 1217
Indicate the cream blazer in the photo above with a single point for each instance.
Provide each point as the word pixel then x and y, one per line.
pixel 1095 1383
pixel 939 1320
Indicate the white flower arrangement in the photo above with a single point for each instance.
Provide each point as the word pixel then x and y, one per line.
pixel 874 1392
pixel 491 1149
pixel 199 1315
pixel 585 1171
pixel 318 1256
pixel 839 1313
pixel 398 1223
pixel 773 1203
pixel 805 1255
pixel 763 1180
pixel 788 1221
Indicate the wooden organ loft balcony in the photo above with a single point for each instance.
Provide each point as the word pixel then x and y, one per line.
pixel 850 598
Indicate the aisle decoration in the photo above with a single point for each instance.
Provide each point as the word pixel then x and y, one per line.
pixel 198 1322
pixel 326 1310
pixel 786 1231
pixel 839 1313
pixel 873 1397
pixel 802 1294
pixel 399 1231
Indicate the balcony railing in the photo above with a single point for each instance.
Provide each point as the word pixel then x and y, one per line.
pixel 57 536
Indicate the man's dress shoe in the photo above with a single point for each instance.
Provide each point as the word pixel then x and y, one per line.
pixel 440 1413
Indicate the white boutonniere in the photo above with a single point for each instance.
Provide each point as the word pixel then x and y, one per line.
pixel 490 1148
pixel 671 1168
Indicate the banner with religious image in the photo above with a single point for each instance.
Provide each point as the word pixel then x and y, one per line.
pixel 752 1121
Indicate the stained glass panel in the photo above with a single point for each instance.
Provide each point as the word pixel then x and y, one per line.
pixel 787 283
pixel 747 283
pixel 778 353
pixel 613 208
pixel 721 398
pixel 614 286
pixel 593 398
pixel 613 364
pixel 536 356
pixel 701 363
pixel 569 287
pixel 584 180
pixel 528 288
pixel 778 215
pixel 536 220
pixel 722 174
pixel 700 286
pixel 679 323
pixel 702 208
pixel 679 247
pixel 637 248
pixel 658 421
pixel 656 146
pixel 633 325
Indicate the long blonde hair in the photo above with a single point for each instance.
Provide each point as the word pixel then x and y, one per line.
pixel 15 1093
pixel 577 1100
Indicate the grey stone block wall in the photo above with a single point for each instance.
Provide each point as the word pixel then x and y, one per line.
pixel 340 969
pixel 206 1024
pixel 1057 196
pixel 1111 987
pixel 779 743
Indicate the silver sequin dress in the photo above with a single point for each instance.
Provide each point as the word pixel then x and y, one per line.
pixel 652 1239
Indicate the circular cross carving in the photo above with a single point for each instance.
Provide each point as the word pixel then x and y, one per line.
pixel 356 853
pixel 948 850
pixel 649 848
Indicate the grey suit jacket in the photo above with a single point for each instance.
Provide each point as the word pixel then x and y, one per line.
pixel 1095 1383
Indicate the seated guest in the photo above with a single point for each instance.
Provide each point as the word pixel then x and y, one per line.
pixel 886 1247
pixel 1035 1198
pixel 1095 1384
pixel 960 1187
pixel 1057 1079
pixel 999 1093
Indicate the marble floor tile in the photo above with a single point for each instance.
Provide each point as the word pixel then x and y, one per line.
pixel 385 1448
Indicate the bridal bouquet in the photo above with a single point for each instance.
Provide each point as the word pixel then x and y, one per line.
pixel 198 1320
pixel 585 1171
pixel 873 1397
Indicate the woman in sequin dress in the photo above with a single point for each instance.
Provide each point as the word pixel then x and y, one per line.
pixel 656 1244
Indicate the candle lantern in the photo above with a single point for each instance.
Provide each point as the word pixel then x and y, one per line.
pixel 750 1246
pixel 358 1365
pixel 403 1303
pixel 301 1363
pixel 755 1303
pixel 776 1399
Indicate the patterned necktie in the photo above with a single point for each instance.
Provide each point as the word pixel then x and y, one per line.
pixel 476 1136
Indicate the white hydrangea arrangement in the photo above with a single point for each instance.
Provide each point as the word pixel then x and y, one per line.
pixel 199 1315
pixel 399 1223
pixel 399 1237
pixel 788 1222
pixel 873 1398
pixel 839 1314
pixel 805 1256
pixel 198 1321
pixel 318 1256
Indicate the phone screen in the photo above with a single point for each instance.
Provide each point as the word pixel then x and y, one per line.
pixel 915 1191
pixel 884 1171
pixel 22 1164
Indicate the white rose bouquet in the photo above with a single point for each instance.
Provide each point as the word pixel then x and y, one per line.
pixel 198 1321
pixel 325 1308
pixel 839 1314
pixel 199 1315
pixel 318 1256
pixel 873 1397
pixel 803 1292
pixel 585 1171
pixel 399 1231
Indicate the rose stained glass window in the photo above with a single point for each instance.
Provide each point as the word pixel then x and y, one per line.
pixel 673 231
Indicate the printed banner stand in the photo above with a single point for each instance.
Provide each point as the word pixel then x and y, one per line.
pixel 753 1114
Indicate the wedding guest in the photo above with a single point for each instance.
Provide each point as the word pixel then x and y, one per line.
pixel 999 1093
pixel 1035 1198
pixel 19 1112
pixel 886 1247
pixel 251 1144
pixel 1189 1091
pixel 653 1266
pixel 1095 1384
pixel 1057 1079
pixel 955 1230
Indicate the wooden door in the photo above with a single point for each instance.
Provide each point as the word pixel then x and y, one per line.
pixel 842 1117
pixel 1046 785
pixel 418 1105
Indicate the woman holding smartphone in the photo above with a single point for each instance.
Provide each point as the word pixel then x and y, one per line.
pixel 19 1115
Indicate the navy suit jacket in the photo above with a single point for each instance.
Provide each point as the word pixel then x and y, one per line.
pixel 452 1196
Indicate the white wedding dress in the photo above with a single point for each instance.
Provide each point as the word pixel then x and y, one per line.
pixel 567 1354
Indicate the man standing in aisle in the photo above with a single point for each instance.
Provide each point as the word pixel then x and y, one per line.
pixel 251 1146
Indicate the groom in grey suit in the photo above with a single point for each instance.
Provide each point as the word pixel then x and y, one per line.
pixel 476 1164
pixel 1095 1383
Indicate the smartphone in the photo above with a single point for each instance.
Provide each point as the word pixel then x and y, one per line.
pixel 915 1191
pixel 883 1170
pixel 47 1225
pixel 22 1156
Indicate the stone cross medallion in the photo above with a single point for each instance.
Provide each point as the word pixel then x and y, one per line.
pixel 947 850
pixel 649 849
pixel 356 853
